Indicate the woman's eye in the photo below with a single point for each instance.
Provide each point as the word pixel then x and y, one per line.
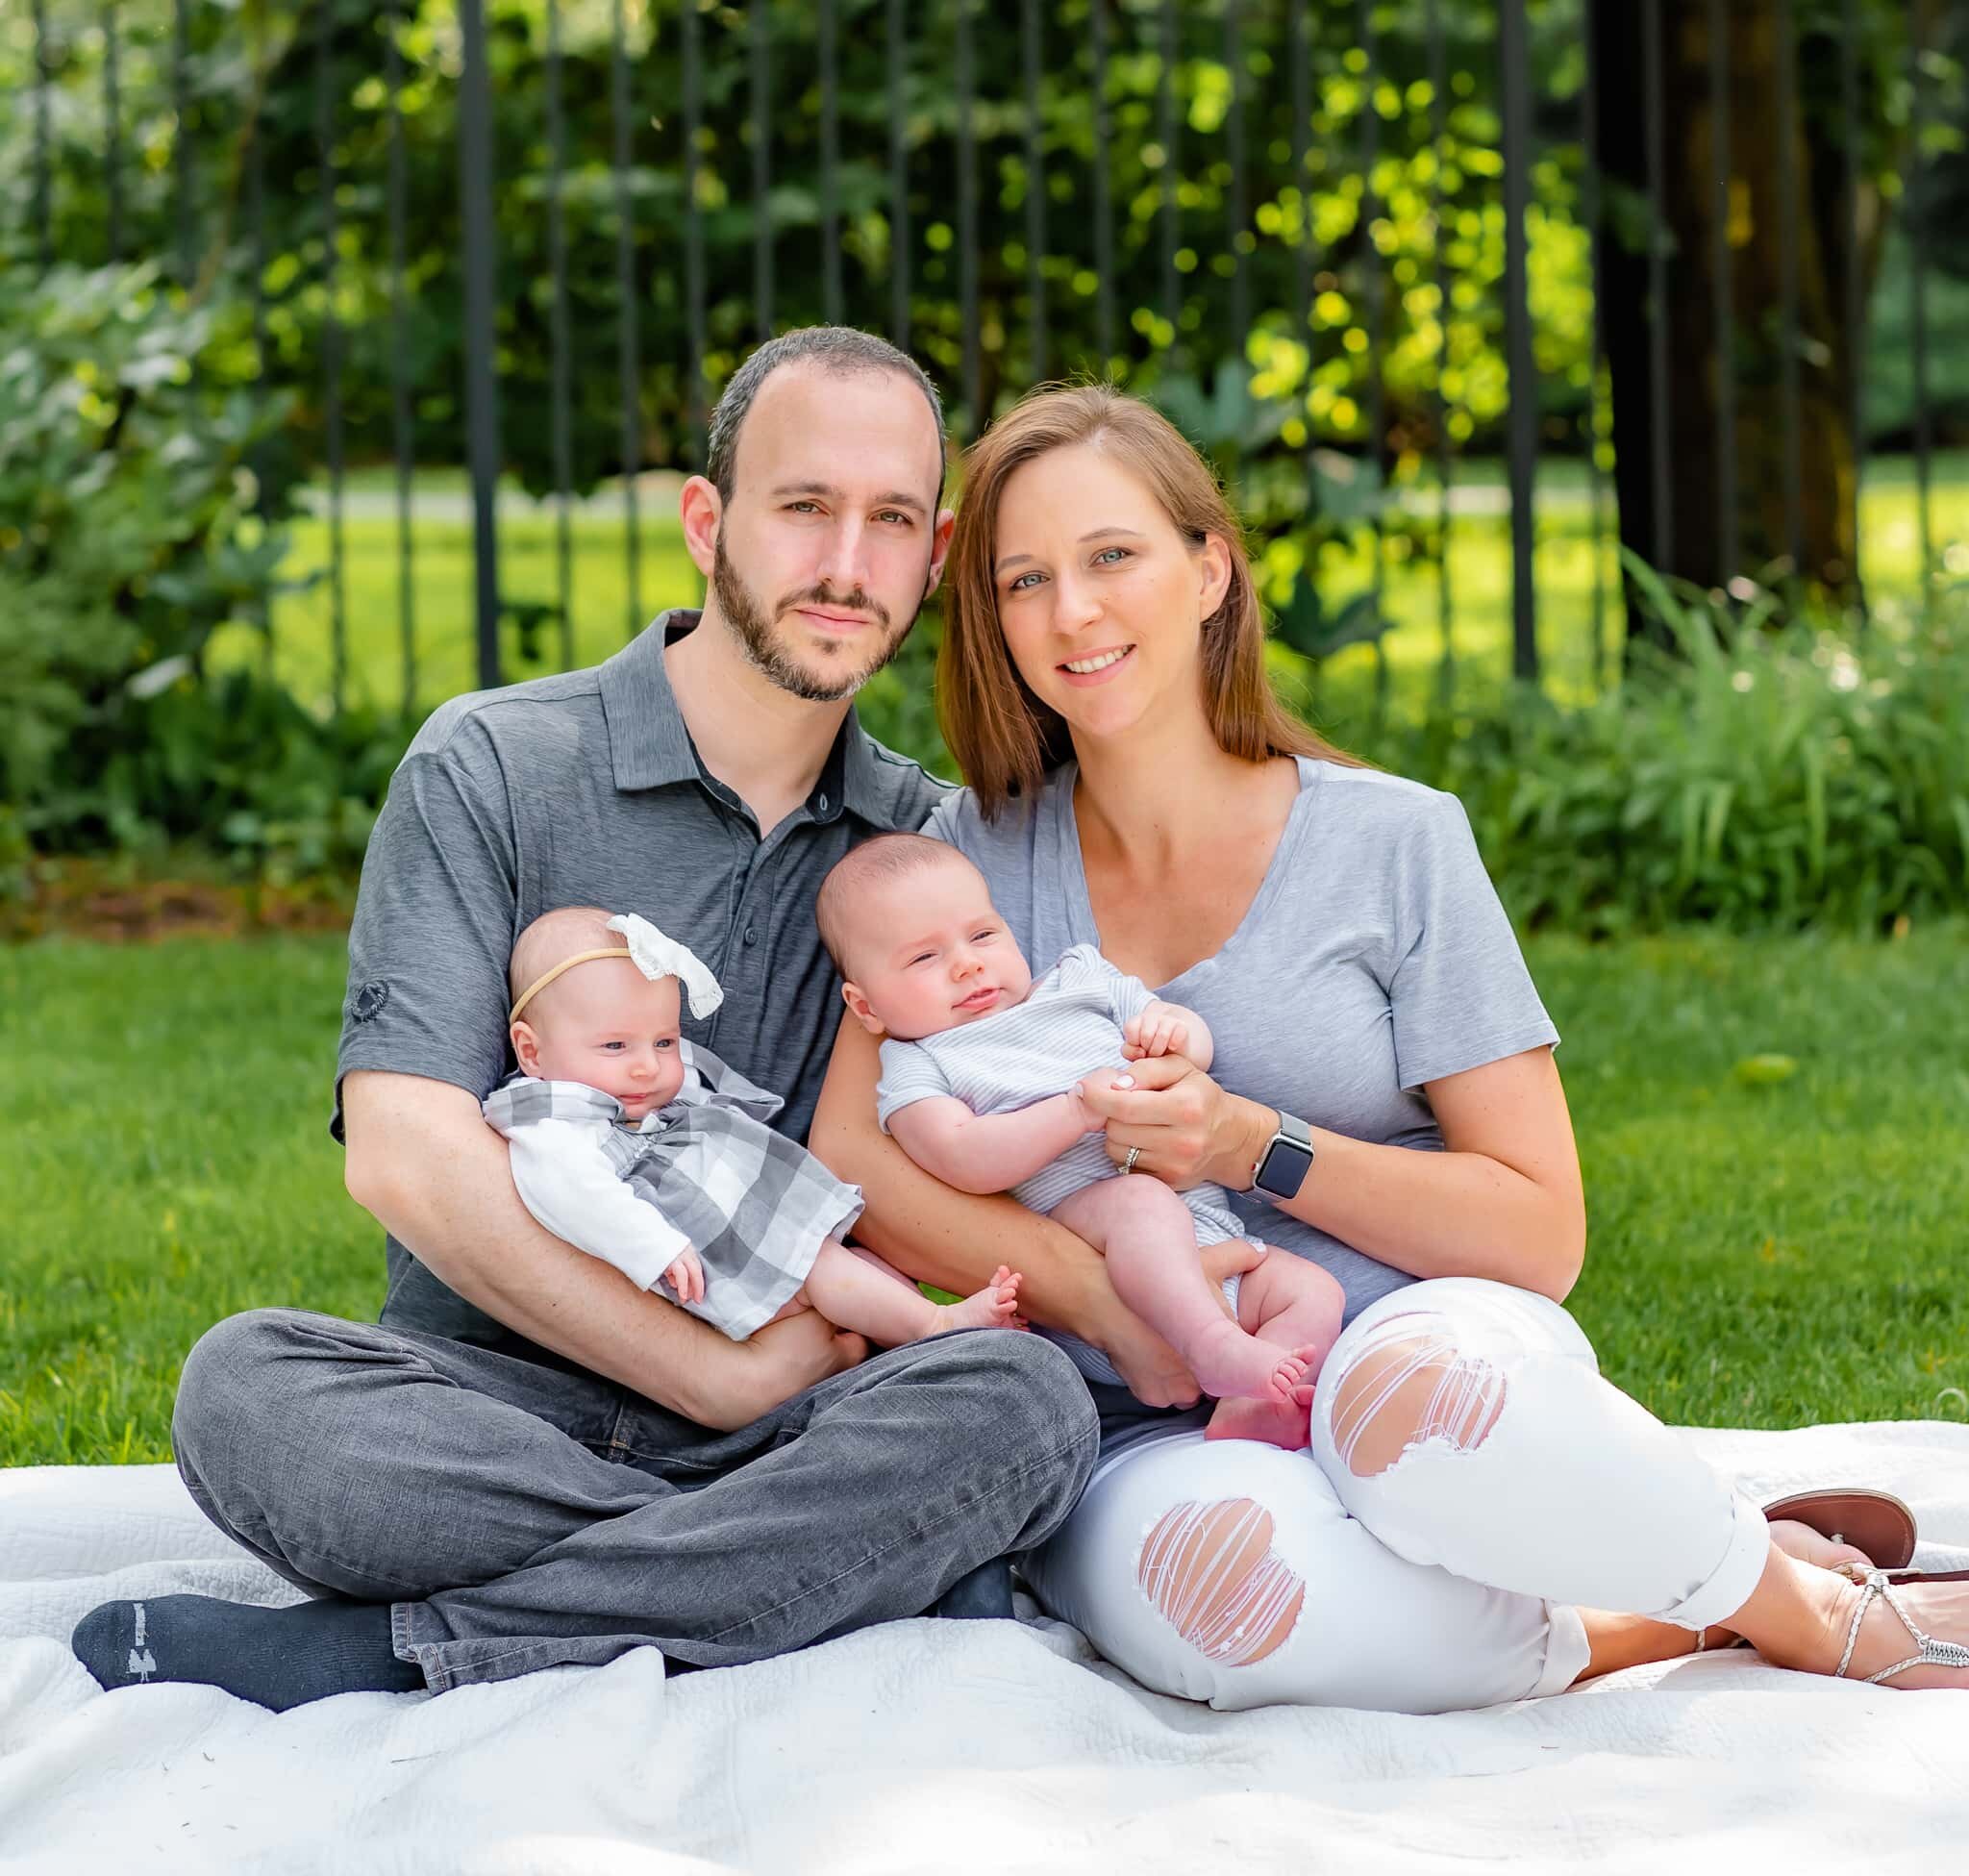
pixel 1019 584
pixel 1107 551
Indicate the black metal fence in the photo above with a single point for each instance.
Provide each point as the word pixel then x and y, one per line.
pixel 1132 192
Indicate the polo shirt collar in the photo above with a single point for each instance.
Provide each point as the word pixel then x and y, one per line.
pixel 650 746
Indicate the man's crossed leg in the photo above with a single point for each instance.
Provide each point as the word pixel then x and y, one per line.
pixel 467 1515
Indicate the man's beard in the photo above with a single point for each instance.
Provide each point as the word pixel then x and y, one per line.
pixel 776 662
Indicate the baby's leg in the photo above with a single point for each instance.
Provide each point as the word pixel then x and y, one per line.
pixel 866 1295
pixel 1293 1304
pixel 1149 1238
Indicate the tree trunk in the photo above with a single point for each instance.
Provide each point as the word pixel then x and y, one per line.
pixel 1766 131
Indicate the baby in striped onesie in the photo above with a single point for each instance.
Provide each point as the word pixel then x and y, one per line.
pixel 982 1067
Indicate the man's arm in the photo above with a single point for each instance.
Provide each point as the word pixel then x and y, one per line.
pixel 423 1163
pixel 988 1151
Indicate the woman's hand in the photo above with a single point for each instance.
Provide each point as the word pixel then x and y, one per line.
pixel 1188 1129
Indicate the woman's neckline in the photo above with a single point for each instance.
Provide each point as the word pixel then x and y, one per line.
pixel 1081 904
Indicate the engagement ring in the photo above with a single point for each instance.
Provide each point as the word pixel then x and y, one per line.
pixel 1135 1153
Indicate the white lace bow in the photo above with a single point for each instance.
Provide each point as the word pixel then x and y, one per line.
pixel 656 953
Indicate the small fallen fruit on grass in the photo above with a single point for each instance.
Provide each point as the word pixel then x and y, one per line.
pixel 1765 1070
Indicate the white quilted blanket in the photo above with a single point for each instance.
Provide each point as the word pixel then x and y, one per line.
pixel 946 1746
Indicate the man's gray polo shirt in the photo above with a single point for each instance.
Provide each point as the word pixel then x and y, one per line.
pixel 585 790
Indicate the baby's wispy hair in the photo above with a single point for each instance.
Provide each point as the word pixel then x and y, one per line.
pixel 886 857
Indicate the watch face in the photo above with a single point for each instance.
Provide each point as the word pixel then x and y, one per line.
pixel 1284 1168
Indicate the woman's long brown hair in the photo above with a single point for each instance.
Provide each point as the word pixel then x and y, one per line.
pixel 1004 738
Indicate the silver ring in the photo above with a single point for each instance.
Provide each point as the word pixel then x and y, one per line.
pixel 1135 1153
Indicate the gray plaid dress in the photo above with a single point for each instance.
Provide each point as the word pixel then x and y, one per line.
pixel 704 1173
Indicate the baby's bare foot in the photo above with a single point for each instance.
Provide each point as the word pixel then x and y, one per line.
pixel 994 1307
pixel 1288 1425
pixel 1230 1365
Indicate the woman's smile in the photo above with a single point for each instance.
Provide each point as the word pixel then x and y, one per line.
pixel 1095 666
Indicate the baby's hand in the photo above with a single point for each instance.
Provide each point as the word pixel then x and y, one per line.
pixel 686 1278
pixel 1161 1029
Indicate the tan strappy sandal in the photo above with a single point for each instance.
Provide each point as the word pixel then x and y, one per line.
pixel 1879 1583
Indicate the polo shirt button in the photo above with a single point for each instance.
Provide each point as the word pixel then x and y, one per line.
pixel 751 935
pixel 822 804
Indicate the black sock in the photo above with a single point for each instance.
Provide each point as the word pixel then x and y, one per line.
pixel 278 1658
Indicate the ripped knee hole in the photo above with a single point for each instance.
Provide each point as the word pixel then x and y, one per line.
pixel 1209 1571
pixel 1404 1393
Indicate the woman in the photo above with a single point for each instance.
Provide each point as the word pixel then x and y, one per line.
pixel 1476 1495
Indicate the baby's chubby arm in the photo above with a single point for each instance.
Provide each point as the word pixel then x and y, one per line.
pixel 566 1181
pixel 1168 1029
pixel 988 1151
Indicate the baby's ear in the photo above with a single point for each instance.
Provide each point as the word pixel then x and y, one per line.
pixel 526 1047
pixel 859 1009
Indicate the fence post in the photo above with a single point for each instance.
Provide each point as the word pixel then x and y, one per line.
pixel 482 385
pixel 1523 415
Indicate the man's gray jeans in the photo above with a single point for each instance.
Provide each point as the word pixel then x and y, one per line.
pixel 516 1516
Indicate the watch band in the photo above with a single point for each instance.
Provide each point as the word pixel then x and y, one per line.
pixel 1286 1160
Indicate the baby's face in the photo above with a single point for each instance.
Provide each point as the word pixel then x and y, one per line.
pixel 608 1025
pixel 929 952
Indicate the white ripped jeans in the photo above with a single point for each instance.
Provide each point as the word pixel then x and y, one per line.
pixel 1471 1480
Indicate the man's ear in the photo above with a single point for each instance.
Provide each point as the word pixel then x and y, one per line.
pixel 702 510
pixel 939 548
pixel 857 1008
pixel 526 1046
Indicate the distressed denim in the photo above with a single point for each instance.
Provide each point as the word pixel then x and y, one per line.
pixel 519 1516
pixel 1472 1483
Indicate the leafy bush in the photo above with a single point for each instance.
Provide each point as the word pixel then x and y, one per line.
pixel 141 496
pixel 1760 779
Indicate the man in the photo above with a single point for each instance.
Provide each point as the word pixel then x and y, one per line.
pixel 528 1462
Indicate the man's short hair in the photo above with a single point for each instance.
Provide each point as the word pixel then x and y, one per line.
pixel 885 857
pixel 843 350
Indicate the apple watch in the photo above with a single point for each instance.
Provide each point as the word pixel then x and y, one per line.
pixel 1284 1165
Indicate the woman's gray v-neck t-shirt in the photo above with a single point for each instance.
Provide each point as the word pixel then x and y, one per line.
pixel 1374 958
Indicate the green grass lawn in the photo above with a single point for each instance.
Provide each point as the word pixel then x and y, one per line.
pixel 1762 1254
pixel 1480 566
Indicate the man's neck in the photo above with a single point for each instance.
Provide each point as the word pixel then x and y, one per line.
pixel 767 745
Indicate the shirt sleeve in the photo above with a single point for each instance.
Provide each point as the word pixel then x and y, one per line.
pixel 565 1178
pixel 908 1074
pixel 1458 992
pixel 433 928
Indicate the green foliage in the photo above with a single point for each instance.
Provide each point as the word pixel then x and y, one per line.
pixel 142 506
pixel 1766 777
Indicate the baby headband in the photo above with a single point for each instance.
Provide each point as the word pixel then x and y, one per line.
pixel 653 953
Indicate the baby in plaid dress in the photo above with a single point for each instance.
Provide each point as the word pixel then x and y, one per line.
pixel 981 1070
pixel 657 1158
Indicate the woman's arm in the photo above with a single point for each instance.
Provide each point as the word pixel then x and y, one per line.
pixel 1503 1200
pixel 956 1240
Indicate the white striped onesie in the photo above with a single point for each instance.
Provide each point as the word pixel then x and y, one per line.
pixel 1068 1025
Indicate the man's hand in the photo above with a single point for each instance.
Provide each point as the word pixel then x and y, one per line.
pixel 686 1278
pixel 783 1358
